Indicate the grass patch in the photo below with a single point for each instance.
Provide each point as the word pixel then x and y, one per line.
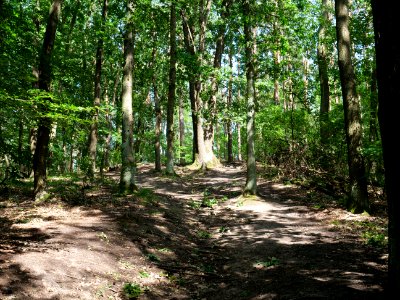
pixel 132 290
pixel 203 234
pixel 371 233
pixel 272 261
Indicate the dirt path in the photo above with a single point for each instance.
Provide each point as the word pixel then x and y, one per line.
pixel 187 237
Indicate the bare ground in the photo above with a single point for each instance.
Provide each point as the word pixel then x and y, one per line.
pixel 187 237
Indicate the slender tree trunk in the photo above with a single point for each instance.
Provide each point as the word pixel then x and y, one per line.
pixel 128 170
pixel 277 100
pixel 71 158
pixel 229 105
pixel 193 108
pixel 250 32
pixel 181 132
pixel 371 164
pixel 109 117
pixel 358 196
pixel 43 132
pixel 305 84
pixel 386 26
pixel 171 93
pixel 93 134
pixel 190 48
pixel 157 144
pixel 157 108
pixel 323 77
pixel 277 59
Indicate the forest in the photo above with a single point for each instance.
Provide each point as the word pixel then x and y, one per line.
pixel 173 149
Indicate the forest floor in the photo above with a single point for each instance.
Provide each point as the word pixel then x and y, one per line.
pixel 190 236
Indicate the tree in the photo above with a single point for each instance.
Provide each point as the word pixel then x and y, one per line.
pixel 43 133
pixel 250 33
pixel 229 106
pixel 93 133
pixel 171 93
pixel 204 156
pixel 128 170
pixel 386 24
pixel 212 103
pixel 358 195
pixel 323 74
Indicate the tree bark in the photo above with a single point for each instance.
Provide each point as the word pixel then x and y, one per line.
pixel 93 133
pixel 229 105
pixel 358 194
pixel 109 120
pixel 181 132
pixel 171 93
pixel 202 157
pixel 157 144
pixel 190 48
pixel 250 32
pixel 128 170
pixel 43 132
pixel 323 75
pixel 386 25
pixel 212 102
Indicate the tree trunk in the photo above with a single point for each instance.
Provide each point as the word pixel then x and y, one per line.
pixel 157 144
pixel 127 179
pixel 43 132
pixel 358 194
pixel 93 134
pixel 201 156
pixel 323 77
pixel 109 117
pixel 372 166
pixel 250 32
pixel 190 48
pixel 228 106
pixel 212 103
pixel 386 26
pixel 171 93
pixel 181 132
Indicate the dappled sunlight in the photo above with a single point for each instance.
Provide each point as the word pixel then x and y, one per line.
pixel 185 238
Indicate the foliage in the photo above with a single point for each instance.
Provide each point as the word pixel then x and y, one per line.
pixel 287 136
pixel 132 290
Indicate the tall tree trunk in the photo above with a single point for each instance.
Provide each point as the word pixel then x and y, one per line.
pixel 109 120
pixel 128 170
pixel 212 102
pixel 277 34
pixel 371 164
pixel 358 194
pixel 157 144
pixel 93 134
pixel 201 157
pixel 277 100
pixel 193 108
pixel 191 49
pixel 386 26
pixel 181 132
pixel 323 77
pixel 157 108
pixel 250 32
pixel 43 132
pixel 171 93
pixel 228 106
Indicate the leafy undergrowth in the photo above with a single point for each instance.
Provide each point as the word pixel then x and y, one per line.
pixel 190 236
